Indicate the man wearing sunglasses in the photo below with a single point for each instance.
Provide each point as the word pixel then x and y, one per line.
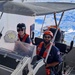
pixel 21 29
pixel 54 55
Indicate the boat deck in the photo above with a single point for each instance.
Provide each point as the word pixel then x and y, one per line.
pixel 72 72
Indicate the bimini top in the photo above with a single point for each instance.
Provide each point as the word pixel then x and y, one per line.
pixel 35 8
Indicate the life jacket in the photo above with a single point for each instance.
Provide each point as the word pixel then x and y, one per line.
pixel 48 71
pixel 39 49
pixel 24 38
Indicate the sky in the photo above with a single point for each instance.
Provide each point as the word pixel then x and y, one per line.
pixel 67 24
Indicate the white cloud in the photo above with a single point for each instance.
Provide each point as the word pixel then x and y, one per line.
pixel 38 27
pixel 40 17
pixel 70 31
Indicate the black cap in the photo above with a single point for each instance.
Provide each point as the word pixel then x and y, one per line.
pixel 21 25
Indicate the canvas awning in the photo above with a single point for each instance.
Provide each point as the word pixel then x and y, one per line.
pixel 35 8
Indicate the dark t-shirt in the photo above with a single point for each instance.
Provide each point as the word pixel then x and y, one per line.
pixel 54 55
pixel 27 40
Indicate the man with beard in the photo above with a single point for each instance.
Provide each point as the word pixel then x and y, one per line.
pixel 54 55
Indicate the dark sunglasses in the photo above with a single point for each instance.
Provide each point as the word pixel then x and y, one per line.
pixel 47 36
pixel 19 30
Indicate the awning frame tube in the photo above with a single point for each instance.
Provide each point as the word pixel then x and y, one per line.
pixel 54 34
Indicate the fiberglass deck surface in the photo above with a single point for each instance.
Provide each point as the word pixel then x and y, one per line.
pixel 72 72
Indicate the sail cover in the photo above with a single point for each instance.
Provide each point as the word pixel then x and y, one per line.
pixel 35 8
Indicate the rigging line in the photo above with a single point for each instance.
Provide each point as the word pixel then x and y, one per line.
pixel 1 15
pixel 42 25
pixel 2 30
pixel 61 18
pixel 55 19
pixel 58 25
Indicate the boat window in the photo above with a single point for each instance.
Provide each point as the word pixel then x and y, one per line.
pixel 16 48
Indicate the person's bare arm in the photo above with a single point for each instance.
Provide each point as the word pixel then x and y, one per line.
pixel 52 64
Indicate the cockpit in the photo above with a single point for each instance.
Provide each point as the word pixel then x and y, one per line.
pixel 12 53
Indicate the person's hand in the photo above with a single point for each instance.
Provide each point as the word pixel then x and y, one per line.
pixel 0 35
pixel 47 65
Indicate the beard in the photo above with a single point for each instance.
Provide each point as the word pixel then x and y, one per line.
pixel 46 42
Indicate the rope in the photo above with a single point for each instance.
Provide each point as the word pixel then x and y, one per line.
pixel 42 25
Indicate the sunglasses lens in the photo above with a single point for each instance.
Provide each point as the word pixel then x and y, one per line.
pixel 19 30
pixel 47 37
